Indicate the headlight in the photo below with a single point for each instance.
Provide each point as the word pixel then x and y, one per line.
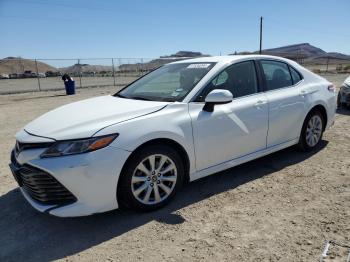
pixel 72 147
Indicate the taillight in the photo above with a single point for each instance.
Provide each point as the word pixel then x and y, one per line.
pixel 331 88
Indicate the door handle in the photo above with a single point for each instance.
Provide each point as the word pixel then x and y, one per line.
pixel 303 93
pixel 259 103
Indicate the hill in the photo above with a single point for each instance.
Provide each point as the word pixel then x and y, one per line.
pixel 307 53
pixel 85 68
pixel 304 48
pixel 18 65
pixel 161 61
pixel 187 54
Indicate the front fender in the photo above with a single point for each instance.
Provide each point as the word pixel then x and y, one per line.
pixel 173 122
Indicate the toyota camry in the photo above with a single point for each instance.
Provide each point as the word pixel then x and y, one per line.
pixel 181 122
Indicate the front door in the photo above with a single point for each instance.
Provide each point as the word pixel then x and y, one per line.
pixel 235 129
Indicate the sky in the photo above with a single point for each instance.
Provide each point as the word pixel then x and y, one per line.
pixel 149 29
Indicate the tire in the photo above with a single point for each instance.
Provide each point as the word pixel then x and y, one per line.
pixel 311 129
pixel 139 182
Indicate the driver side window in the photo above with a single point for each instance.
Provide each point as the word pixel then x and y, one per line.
pixel 240 79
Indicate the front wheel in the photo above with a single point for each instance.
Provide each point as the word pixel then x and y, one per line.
pixel 151 178
pixel 312 131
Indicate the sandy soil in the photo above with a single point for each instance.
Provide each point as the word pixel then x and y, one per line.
pixel 279 208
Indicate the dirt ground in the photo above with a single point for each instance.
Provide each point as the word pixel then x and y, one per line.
pixel 279 208
pixel 10 86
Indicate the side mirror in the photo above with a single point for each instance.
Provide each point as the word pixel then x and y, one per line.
pixel 217 96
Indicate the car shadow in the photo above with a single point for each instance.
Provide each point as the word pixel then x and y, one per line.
pixel 343 111
pixel 26 234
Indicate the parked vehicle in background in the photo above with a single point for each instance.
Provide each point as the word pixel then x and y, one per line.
pixel 184 121
pixel 29 74
pixel 88 74
pixel 4 76
pixel 15 76
pixel 344 94
pixel 41 75
pixel 52 74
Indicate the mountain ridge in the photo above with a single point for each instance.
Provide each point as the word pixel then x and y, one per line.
pixel 307 52
pixel 304 52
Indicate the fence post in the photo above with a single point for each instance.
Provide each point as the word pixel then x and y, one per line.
pixel 113 72
pixel 119 64
pixel 37 74
pixel 141 67
pixel 79 73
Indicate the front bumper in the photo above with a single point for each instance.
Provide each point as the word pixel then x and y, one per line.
pixel 91 178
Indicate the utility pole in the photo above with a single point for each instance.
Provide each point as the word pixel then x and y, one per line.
pixel 79 73
pixel 37 74
pixel 261 21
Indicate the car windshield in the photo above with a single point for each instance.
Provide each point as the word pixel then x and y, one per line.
pixel 170 82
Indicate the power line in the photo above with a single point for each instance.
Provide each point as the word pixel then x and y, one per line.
pixel 37 18
pixel 49 3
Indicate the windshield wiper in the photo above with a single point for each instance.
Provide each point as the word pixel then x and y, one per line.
pixel 139 98
pixel 119 95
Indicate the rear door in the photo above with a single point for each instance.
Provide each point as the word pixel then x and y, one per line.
pixel 287 102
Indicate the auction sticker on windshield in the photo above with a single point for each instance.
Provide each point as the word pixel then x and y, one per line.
pixel 198 66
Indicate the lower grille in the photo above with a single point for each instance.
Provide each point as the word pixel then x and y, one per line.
pixel 41 186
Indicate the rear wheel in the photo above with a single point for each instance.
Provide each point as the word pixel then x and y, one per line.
pixel 312 131
pixel 151 178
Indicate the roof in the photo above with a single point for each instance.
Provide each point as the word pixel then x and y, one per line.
pixel 227 59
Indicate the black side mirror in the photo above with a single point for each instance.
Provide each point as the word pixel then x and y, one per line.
pixel 217 96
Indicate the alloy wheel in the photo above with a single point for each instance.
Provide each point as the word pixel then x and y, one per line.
pixel 154 179
pixel 313 130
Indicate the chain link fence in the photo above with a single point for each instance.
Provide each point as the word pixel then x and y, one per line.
pixel 19 75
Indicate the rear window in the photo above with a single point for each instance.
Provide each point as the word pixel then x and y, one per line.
pixel 277 74
pixel 295 75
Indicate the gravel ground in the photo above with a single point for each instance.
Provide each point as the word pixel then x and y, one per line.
pixel 278 208
pixel 9 86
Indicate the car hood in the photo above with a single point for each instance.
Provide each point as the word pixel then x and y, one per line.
pixel 85 118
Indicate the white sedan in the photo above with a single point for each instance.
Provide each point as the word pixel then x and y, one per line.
pixel 344 94
pixel 181 122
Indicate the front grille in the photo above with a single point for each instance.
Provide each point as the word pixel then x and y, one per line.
pixel 41 186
